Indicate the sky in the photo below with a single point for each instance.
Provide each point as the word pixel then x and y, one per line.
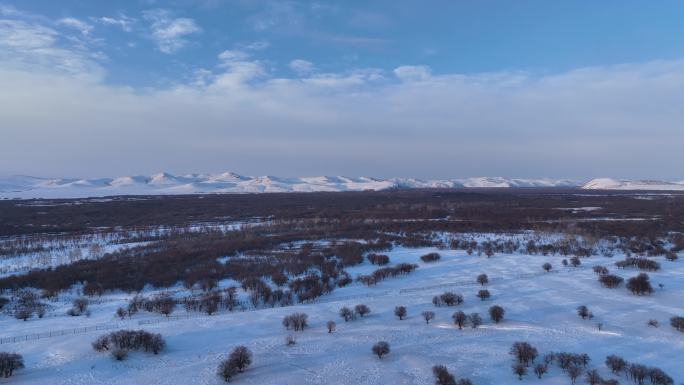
pixel 402 88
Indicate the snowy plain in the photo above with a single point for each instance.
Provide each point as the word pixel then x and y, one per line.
pixel 540 309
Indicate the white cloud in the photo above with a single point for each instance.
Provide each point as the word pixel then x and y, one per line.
pixel 122 21
pixel 412 73
pixel 77 24
pixel 30 46
pixel 168 32
pixel 581 123
pixel 301 66
pixel 255 46
pixel 238 69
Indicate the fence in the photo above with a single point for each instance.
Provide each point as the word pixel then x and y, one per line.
pixel 56 333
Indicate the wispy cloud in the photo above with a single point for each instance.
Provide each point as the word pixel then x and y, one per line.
pixel 122 21
pixel 301 66
pixel 29 45
pixel 412 73
pixel 168 32
pixel 77 24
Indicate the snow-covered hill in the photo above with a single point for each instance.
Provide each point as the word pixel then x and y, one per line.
pixel 164 183
pixel 617 184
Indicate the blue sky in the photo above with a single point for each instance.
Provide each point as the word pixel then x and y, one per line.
pixel 428 89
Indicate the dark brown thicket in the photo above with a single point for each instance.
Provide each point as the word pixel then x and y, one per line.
pixel 377 219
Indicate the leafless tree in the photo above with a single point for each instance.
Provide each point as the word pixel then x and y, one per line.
pixel 593 377
pixel 584 312
pixel 482 279
pixel 241 357
pixel 496 313
pixel 428 316
pixel 677 323
pixel 381 348
pixel 9 362
pixel 331 326
pixel 524 353
pixel 290 340
pixel 475 320
pixel 400 311
pixel 347 314
pixel 573 372
pixel 547 267
pixel 483 294
pixel 519 370
pixel 361 310
pixel 460 319
pixel 540 370
pixel 442 375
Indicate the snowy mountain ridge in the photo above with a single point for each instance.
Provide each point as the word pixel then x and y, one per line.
pixel 20 186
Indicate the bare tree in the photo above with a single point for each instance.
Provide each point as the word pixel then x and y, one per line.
pixel 241 357
pixel 428 316
pixel 616 364
pixel 381 348
pixel 442 375
pixel 483 294
pixel 361 310
pixel 331 326
pixel 547 267
pixel 677 323
pixel 290 340
pixel 400 311
pixel 482 279
pixel 9 362
pixel 475 320
pixel 519 370
pixel 584 312
pixel 460 319
pixel 347 314
pixel 524 353
pixel 575 261
pixel 573 372
pixel 496 313
pixel 540 370
pixel 593 377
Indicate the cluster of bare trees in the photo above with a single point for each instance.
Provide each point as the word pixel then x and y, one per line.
pixel 462 319
pixel 447 299
pixel 296 321
pixel 238 360
pixel 162 303
pixel 640 263
pixel 443 377
pixel 386 272
pixel 640 284
pixel 123 341
pixel 349 315
pixel 26 304
pixel 225 299
pixel 637 372
pixel 9 362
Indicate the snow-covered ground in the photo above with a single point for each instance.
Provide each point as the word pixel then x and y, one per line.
pixel 540 308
